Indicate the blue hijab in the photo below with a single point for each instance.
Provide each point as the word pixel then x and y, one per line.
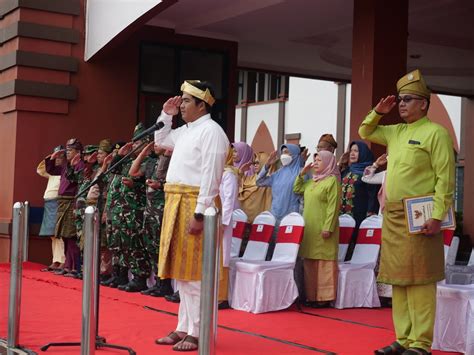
pixel 284 200
pixel 366 158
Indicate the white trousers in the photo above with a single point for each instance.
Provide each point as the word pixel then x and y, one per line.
pixel 188 315
pixel 57 246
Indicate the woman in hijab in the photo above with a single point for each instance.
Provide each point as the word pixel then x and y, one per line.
pixel 358 198
pixel 254 199
pixel 228 192
pixel 319 249
pixel 243 154
pixel 284 200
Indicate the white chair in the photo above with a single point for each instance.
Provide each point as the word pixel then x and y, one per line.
pixel 239 220
pixel 265 286
pixel 346 228
pixel 357 283
pixel 257 246
pixel 454 323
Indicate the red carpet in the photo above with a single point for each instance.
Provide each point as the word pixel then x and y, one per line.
pixel 51 312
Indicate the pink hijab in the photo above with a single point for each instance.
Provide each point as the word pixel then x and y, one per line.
pixel 330 166
pixel 245 153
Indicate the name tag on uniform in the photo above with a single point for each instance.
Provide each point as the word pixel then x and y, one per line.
pixel 413 142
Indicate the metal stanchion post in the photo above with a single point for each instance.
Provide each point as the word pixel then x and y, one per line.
pixel 208 309
pixel 26 230
pixel 88 294
pixel 15 276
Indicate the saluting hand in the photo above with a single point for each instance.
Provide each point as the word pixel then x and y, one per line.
pixel 245 167
pixel 171 107
pixel 272 159
pixel 381 160
pixel 306 169
pixel 386 105
pixel 75 160
pixel 125 149
pixel 92 158
pixel 304 154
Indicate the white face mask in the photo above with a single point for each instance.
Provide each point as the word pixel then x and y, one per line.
pixel 285 159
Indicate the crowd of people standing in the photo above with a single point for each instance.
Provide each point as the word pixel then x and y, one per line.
pixel 153 204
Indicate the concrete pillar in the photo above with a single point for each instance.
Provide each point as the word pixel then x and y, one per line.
pixel 379 54
pixel 341 118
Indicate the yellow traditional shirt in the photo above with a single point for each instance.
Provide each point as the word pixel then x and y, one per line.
pixel 421 160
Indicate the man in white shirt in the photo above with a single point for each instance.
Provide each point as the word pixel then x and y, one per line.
pixel 192 184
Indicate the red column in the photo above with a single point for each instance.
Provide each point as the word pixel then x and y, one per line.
pixel 379 54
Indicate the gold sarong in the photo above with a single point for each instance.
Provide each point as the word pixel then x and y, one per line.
pixel 408 259
pixel 65 227
pixel 180 252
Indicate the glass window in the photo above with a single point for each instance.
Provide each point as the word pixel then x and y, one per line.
pixel 157 70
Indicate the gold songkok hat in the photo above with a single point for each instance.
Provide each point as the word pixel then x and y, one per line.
pixel 192 90
pixel 413 83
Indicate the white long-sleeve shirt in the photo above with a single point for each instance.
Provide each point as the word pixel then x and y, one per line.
pixel 199 152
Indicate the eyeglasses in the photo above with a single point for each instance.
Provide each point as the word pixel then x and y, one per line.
pixel 256 163
pixel 407 99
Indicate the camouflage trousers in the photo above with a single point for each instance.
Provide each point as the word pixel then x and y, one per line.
pixel 151 234
pixel 127 243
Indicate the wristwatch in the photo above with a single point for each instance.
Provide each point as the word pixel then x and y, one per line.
pixel 199 217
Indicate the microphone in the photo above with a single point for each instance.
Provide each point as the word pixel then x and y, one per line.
pixel 153 128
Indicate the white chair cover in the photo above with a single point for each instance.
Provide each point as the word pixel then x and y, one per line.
pixel 346 228
pixel 357 285
pixel 265 286
pixel 454 323
pixel 257 246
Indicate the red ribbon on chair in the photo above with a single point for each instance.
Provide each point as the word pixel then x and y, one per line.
pixel 369 236
pixel 238 230
pixel 345 234
pixel 290 234
pixel 448 235
pixel 261 233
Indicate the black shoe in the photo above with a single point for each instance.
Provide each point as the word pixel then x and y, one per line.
pixel 223 305
pixel 122 278
pixel 393 349
pixel 109 281
pixel 173 298
pixel 136 285
pixel 164 289
pixel 149 291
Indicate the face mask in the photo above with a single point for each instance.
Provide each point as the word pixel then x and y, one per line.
pixel 286 159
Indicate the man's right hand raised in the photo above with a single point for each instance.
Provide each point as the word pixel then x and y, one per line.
pixel 171 107
pixel 386 105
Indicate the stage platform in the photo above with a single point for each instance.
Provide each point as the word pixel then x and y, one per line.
pixel 51 312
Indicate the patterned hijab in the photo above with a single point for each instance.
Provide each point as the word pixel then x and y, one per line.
pixel 330 166
pixel 245 154
pixel 366 158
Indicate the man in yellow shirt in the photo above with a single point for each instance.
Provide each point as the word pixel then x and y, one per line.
pixel 421 163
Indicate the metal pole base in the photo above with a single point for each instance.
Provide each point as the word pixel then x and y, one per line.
pixel 19 350
pixel 100 342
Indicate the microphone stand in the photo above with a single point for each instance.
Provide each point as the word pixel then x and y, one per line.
pixel 100 342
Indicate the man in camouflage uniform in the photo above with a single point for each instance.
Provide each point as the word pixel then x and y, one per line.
pixel 154 169
pixel 111 216
pixel 130 207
